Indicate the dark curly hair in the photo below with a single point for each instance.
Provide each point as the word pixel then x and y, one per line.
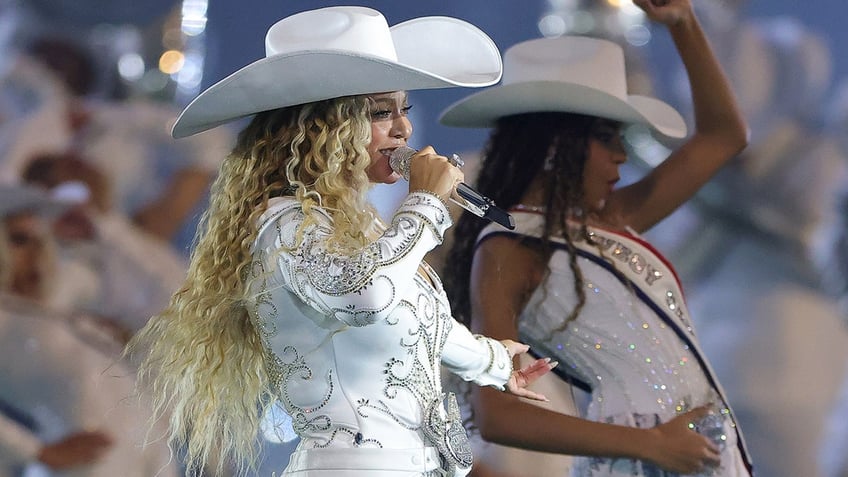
pixel 520 146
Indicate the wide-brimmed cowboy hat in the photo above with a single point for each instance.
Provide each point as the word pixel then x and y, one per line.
pixel 342 51
pixel 22 198
pixel 567 74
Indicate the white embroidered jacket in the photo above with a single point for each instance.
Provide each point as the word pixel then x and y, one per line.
pixel 355 342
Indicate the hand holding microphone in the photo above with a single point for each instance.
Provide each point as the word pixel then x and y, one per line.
pixel 428 171
pixel 459 193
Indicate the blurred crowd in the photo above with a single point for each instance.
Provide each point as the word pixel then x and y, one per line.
pixel 767 263
pixel 97 201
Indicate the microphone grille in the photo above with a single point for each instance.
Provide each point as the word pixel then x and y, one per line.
pixel 399 160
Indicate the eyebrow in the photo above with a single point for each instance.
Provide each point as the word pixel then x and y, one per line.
pixel 608 123
pixel 389 99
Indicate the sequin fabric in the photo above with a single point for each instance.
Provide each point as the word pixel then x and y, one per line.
pixel 643 369
pixel 355 341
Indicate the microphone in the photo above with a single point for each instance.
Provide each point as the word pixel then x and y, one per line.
pixel 464 196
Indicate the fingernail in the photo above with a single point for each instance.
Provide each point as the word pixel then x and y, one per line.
pixel 553 364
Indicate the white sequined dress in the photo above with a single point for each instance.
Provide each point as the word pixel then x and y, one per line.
pixel 632 346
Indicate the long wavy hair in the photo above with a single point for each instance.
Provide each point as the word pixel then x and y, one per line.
pixel 520 147
pixel 202 358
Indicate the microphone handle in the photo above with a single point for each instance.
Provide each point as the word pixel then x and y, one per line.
pixel 464 196
pixel 481 206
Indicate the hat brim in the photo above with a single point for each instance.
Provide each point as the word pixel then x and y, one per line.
pixel 433 52
pixel 16 199
pixel 483 109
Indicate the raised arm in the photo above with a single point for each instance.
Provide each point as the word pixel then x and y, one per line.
pixel 497 300
pixel 720 131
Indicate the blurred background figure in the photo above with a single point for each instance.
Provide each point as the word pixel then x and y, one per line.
pixel 24 268
pixel 831 256
pixel 109 267
pixel 771 327
pixel 66 404
pixel 158 182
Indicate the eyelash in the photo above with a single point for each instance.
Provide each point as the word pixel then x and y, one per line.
pixel 387 113
pixel 607 135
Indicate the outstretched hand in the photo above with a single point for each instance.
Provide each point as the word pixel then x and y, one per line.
pixel 521 378
pixel 667 12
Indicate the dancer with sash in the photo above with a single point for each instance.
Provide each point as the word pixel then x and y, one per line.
pixel 575 279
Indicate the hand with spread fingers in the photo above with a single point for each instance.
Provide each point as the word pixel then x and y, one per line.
pixel 521 378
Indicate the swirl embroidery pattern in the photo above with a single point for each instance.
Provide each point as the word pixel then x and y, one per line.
pixel 366 289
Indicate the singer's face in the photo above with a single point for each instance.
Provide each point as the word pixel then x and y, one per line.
pixel 600 174
pixel 390 128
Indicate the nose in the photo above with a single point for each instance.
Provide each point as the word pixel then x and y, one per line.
pixel 619 156
pixel 618 153
pixel 616 146
pixel 401 127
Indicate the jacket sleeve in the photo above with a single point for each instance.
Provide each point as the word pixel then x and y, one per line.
pixel 362 286
pixel 476 358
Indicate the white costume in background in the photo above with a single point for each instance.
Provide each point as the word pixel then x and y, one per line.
pixel 773 335
pixel 355 344
pixel 18 446
pixel 64 384
pixel 25 88
pixel 833 455
pixel 632 346
pixel 125 274
pixel 129 141
pixel 777 337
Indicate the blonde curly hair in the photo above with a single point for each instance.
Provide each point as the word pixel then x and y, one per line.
pixel 203 359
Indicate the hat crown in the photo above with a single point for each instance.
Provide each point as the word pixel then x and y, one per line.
pixel 590 62
pixel 354 29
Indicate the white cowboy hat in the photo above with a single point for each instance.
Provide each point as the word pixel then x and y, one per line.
pixel 342 51
pixel 572 74
pixel 18 198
